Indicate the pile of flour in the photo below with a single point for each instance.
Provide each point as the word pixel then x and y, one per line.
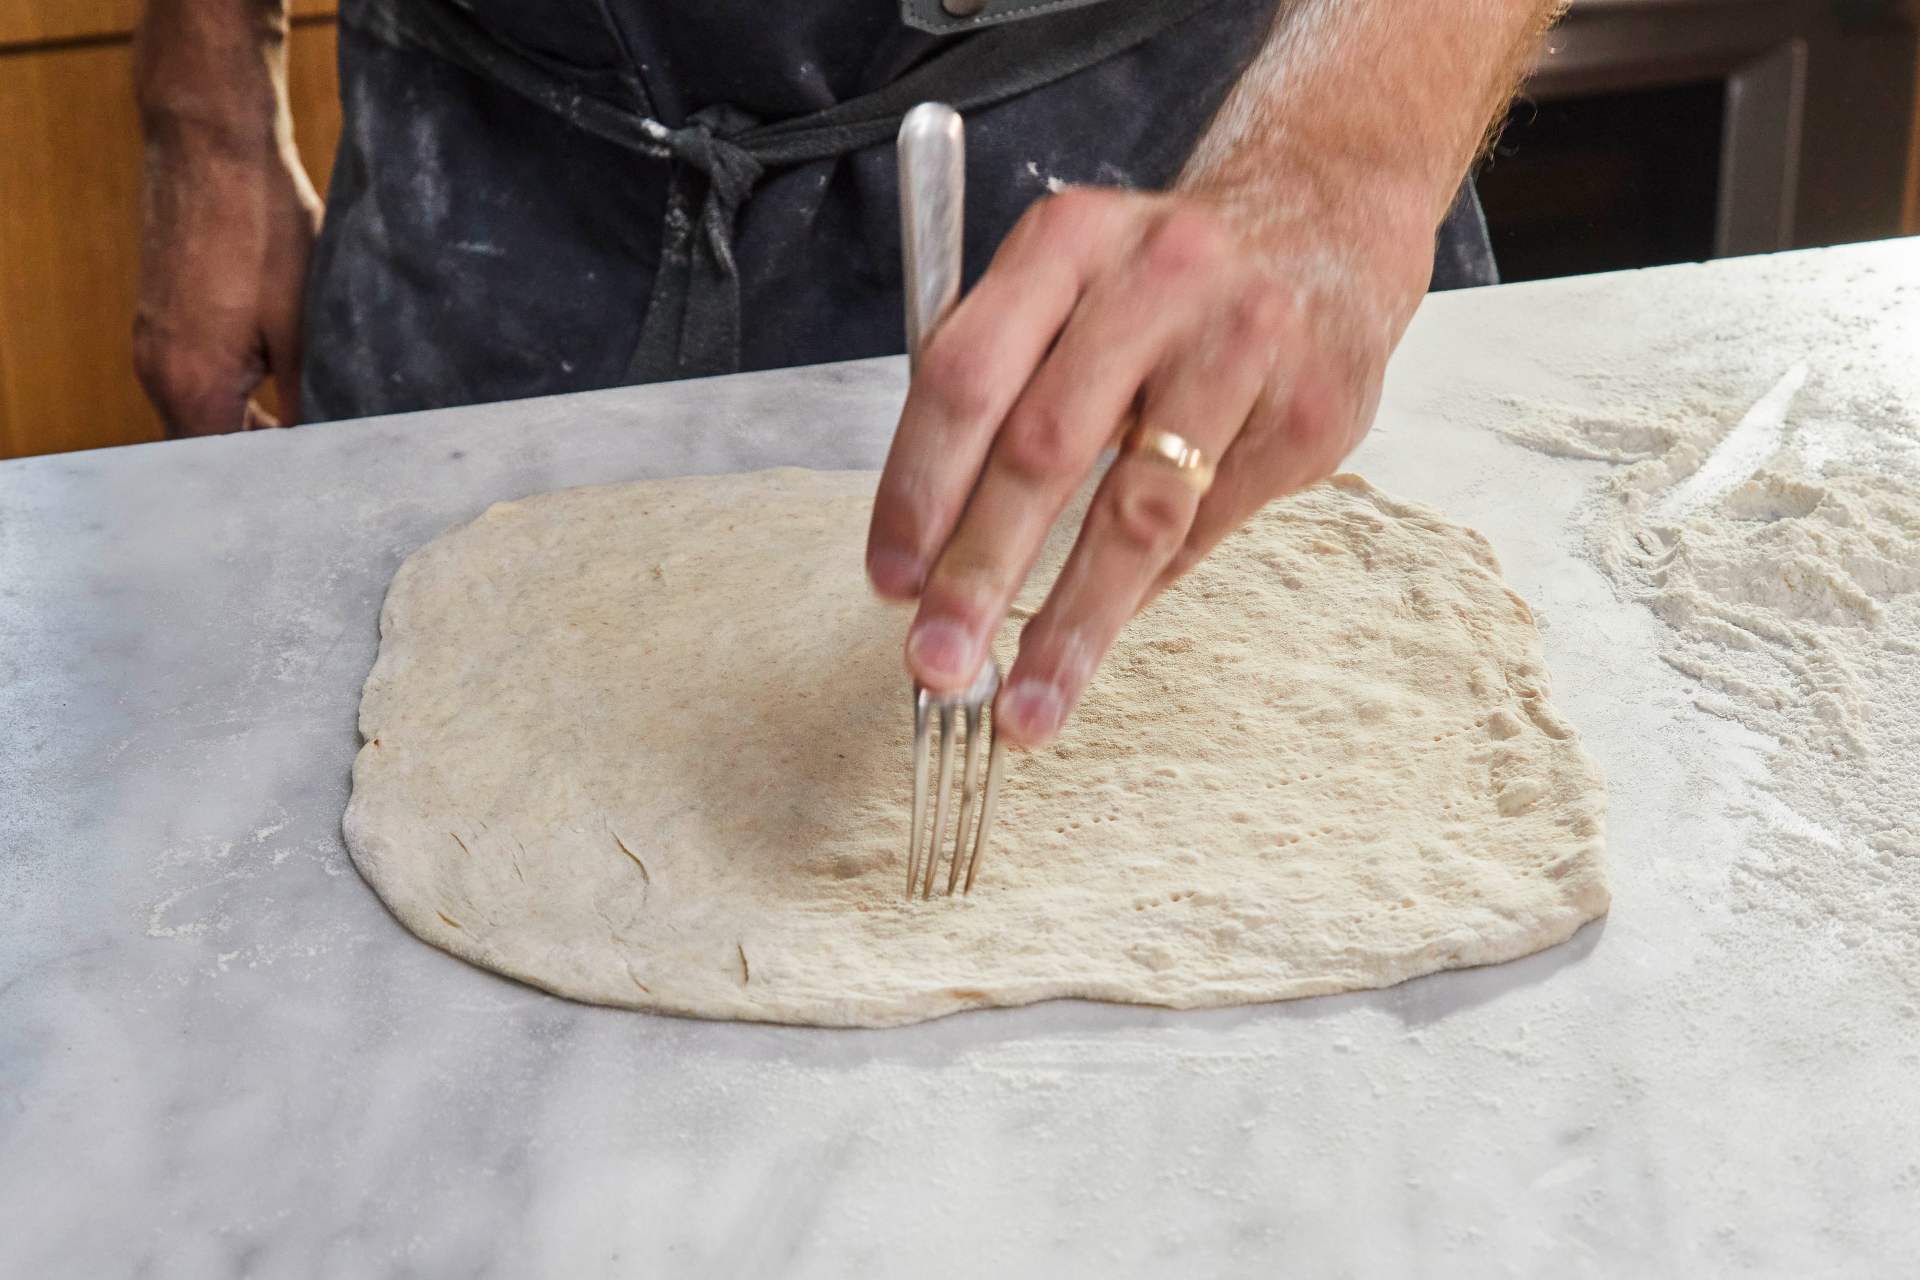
pixel 1781 551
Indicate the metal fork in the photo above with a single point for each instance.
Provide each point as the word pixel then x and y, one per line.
pixel 972 707
pixel 932 152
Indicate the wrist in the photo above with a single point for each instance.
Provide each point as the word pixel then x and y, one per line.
pixel 1377 220
pixel 1345 119
pixel 192 129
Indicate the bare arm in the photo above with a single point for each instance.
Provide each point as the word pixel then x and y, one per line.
pixel 1339 152
pixel 228 215
pixel 1396 95
pixel 1250 310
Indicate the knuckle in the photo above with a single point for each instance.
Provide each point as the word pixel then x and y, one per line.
pixel 155 362
pixel 1039 222
pixel 1067 217
pixel 963 587
pixel 1261 314
pixel 1071 207
pixel 189 394
pixel 175 379
pixel 1149 518
pixel 1184 241
pixel 1308 426
pixel 1039 446
pixel 953 375
pixel 1318 421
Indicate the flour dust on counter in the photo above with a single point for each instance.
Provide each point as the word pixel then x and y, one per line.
pixel 646 745
pixel 1770 517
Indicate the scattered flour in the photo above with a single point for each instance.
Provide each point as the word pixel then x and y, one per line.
pixel 1052 182
pixel 1783 554
pixel 211 891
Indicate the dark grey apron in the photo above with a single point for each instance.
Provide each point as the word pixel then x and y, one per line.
pixel 532 199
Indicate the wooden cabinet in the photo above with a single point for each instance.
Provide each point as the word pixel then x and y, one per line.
pixel 1658 131
pixel 70 212
pixel 1910 217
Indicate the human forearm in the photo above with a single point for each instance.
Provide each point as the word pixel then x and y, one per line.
pixel 228 215
pixel 213 72
pixel 1372 107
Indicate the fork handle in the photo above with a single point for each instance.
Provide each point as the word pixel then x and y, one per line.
pixel 932 150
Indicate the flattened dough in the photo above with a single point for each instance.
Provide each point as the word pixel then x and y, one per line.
pixel 646 745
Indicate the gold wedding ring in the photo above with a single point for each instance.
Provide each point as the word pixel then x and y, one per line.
pixel 1164 446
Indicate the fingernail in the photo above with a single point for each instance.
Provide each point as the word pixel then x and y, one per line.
pixel 1034 709
pixel 895 573
pixel 941 650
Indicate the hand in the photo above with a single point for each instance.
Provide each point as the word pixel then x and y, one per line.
pixel 226 239
pixel 1259 335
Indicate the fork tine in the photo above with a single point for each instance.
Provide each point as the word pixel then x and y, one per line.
pixel 969 783
pixel 985 831
pixel 921 701
pixel 940 798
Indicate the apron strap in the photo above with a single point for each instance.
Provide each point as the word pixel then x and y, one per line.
pixel 692 323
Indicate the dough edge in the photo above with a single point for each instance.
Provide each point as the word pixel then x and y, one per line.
pixel 1585 897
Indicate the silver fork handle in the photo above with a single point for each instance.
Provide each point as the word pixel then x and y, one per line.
pixel 933 154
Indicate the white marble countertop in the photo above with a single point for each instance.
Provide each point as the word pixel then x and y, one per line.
pixel 220 1056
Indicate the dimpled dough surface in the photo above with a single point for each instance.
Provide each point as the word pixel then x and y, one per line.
pixel 646 745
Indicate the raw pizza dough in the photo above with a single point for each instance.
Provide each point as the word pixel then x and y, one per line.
pixel 646 745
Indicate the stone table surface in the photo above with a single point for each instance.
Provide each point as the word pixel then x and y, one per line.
pixel 219 1055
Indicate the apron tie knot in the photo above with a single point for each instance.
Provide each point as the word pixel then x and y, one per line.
pixel 692 322
pixel 707 143
pixel 692 325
